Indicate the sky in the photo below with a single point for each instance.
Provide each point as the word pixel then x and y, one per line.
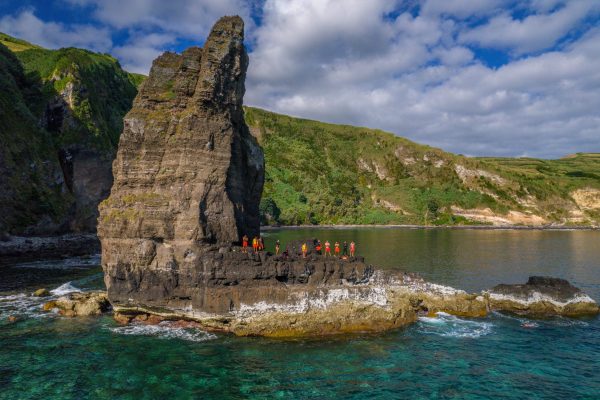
pixel 475 77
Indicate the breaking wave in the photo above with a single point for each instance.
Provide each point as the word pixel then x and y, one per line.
pixel 447 325
pixel 164 330
pixel 65 288
pixel 20 305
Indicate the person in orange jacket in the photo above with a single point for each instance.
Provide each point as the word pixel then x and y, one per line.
pixel 327 248
pixel 245 244
pixel 304 250
pixel 337 249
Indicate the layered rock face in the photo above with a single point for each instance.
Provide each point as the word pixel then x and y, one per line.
pixel 188 176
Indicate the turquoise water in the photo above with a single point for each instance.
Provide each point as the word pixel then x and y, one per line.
pixel 50 357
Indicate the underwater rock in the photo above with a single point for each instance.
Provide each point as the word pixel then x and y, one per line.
pixel 542 296
pixel 41 293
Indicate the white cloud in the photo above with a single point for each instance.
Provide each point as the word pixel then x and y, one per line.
pixel 188 18
pixel 26 25
pixel 533 33
pixel 412 77
pixel 358 62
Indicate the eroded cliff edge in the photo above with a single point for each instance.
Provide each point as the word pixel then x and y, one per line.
pixel 188 178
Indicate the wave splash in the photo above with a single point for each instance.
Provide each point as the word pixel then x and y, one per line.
pixel 164 330
pixel 65 288
pixel 447 325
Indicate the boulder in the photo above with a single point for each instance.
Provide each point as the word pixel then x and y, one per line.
pixel 80 304
pixel 542 296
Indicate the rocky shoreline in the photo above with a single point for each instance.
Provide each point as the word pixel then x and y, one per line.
pixel 22 248
pixel 382 302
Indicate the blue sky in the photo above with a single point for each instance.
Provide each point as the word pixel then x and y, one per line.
pixel 486 77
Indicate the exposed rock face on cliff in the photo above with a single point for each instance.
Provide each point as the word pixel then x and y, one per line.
pixel 187 179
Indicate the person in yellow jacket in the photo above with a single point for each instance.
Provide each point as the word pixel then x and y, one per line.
pixel 304 250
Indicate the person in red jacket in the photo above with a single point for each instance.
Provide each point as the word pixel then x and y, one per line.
pixel 327 248
pixel 337 249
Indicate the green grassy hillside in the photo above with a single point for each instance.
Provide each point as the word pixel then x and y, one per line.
pixel 76 99
pixel 320 173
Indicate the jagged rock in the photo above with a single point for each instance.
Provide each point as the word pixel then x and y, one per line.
pixel 80 304
pixel 542 296
pixel 41 293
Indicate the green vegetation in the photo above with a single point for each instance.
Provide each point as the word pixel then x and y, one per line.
pixel 320 173
pixel 28 163
pixel 94 88
pixel 54 101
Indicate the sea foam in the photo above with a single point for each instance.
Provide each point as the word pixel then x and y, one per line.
pixel 447 325
pixel 164 330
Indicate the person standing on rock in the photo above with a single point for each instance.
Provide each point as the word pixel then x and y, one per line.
pixel 304 250
pixel 337 249
pixel 277 247
pixel 245 244
pixel 352 248
pixel 255 244
pixel 319 248
pixel 345 247
pixel 327 248
pixel 261 243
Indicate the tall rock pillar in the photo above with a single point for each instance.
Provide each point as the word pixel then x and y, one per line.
pixel 188 174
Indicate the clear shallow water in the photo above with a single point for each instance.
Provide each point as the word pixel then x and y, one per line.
pixel 45 356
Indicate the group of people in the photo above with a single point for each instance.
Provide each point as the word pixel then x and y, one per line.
pixel 346 249
pixel 341 250
pixel 258 244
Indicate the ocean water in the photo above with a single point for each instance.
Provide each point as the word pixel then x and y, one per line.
pixel 43 355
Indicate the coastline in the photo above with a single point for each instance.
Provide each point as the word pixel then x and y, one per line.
pixel 427 227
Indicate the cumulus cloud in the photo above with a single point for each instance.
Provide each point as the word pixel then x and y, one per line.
pixel 410 75
pixel 156 25
pixel 414 67
pixel 188 18
pixel 533 33
pixel 26 25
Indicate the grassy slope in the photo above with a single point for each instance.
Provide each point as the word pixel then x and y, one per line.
pixel 325 173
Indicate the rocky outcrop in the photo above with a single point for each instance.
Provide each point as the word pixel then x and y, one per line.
pixel 19 248
pixel 542 296
pixel 188 179
pixel 80 304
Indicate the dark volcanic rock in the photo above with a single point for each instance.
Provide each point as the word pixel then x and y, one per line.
pixel 542 295
pixel 558 289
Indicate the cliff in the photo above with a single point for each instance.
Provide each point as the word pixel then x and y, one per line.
pixel 74 100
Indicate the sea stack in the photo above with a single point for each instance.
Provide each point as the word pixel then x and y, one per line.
pixel 188 178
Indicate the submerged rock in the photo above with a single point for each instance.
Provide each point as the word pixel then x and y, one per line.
pixel 542 296
pixel 80 304
pixel 41 293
